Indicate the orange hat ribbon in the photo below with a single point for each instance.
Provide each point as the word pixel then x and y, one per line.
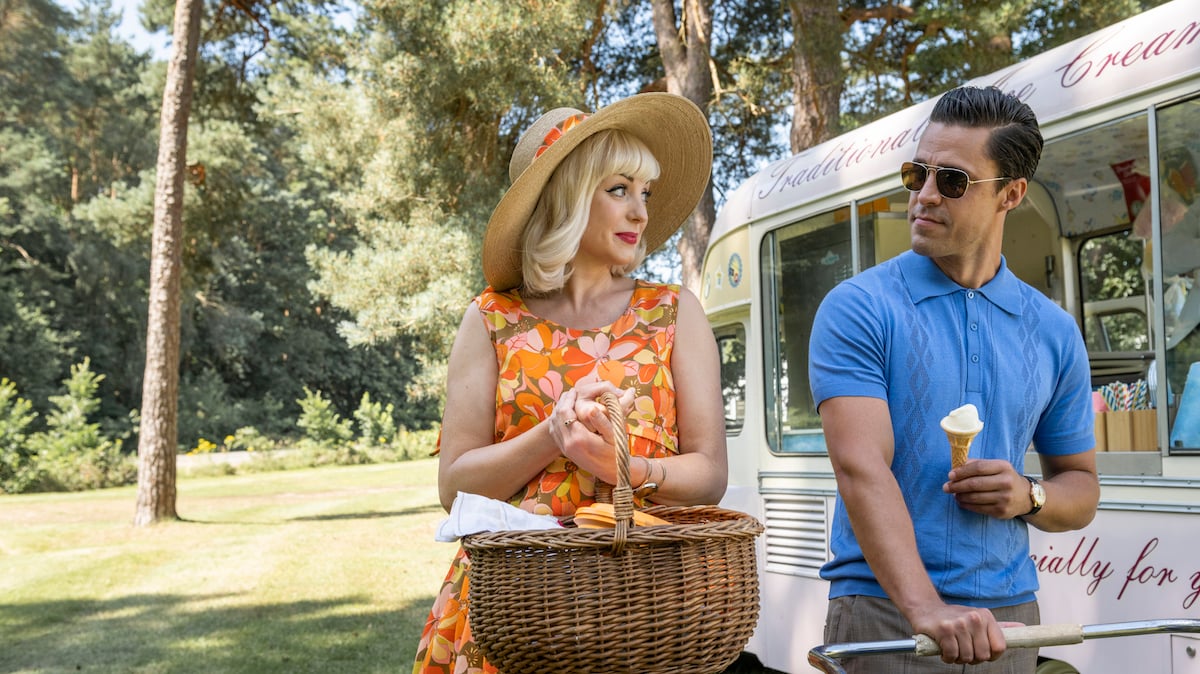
pixel 558 131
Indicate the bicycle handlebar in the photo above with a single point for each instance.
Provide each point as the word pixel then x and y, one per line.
pixel 825 658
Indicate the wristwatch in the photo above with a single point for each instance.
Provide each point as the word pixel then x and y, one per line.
pixel 1037 493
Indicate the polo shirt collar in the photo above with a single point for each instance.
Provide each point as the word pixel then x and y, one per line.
pixel 925 280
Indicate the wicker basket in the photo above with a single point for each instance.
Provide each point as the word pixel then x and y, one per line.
pixel 676 598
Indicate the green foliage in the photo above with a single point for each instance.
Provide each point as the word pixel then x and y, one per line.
pixel 16 414
pixel 209 410
pixel 419 133
pixel 62 141
pixel 31 350
pixel 376 423
pixel 752 49
pixel 76 453
pixel 72 453
pixel 78 123
pixel 320 422
pixel 249 439
pixel 32 40
pixel 415 444
pixel 328 438
pixel 899 55
pixel 342 177
pixel 1112 267
pixel 1049 24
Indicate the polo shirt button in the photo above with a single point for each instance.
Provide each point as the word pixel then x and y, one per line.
pixel 975 359
pixel 974 326
pixel 970 294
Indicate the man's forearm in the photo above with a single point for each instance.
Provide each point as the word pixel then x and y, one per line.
pixel 1071 499
pixel 886 535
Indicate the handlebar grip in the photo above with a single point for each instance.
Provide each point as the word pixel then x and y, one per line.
pixel 1025 636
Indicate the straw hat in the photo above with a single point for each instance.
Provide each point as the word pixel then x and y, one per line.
pixel 671 126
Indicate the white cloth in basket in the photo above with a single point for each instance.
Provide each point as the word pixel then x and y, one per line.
pixel 472 514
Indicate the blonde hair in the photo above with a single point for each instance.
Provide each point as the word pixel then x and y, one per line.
pixel 556 226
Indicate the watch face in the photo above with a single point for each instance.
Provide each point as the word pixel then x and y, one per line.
pixel 1039 494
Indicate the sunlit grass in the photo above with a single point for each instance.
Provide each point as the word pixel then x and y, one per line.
pixel 322 570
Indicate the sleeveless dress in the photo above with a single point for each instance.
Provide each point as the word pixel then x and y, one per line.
pixel 538 360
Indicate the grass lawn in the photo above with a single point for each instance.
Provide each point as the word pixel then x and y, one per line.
pixel 319 570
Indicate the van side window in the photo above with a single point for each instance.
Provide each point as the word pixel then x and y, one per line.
pixel 731 344
pixel 1114 294
pixel 1179 221
pixel 801 263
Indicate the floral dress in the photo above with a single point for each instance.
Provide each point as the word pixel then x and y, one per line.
pixel 539 360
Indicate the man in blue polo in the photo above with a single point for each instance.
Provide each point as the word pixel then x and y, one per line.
pixel 919 547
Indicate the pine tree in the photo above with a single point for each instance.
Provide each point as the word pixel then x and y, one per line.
pixel 158 436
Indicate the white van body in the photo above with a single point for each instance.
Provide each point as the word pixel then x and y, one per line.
pixel 1120 111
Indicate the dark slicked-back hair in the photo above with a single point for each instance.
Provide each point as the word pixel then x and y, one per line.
pixel 1016 141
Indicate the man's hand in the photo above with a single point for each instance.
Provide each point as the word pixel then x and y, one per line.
pixel 990 487
pixel 966 635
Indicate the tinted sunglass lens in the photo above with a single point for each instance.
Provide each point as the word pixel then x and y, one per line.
pixel 952 183
pixel 913 176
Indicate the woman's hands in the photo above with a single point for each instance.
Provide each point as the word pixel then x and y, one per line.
pixel 580 427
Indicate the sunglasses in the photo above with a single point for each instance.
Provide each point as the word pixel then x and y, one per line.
pixel 952 183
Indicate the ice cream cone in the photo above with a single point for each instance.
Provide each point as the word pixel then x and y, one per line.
pixel 961 427
pixel 960 446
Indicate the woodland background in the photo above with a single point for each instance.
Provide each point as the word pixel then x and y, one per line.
pixel 340 174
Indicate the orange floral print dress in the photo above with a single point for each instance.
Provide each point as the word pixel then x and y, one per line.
pixel 538 360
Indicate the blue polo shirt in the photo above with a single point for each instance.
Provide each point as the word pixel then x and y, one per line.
pixel 902 331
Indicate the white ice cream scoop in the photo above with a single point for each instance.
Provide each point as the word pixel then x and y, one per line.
pixel 962 420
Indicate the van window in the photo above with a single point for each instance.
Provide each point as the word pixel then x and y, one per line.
pixel 1179 215
pixel 1114 294
pixel 801 263
pixel 731 344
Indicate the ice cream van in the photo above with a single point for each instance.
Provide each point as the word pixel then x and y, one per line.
pixel 1110 230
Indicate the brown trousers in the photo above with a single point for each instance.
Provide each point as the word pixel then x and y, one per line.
pixel 862 618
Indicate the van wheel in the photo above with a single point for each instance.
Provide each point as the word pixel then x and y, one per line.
pixel 1048 666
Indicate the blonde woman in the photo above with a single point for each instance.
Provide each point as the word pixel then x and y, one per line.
pixel 562 322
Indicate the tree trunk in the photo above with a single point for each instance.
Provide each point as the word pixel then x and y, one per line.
pixel 817 30
pixel 158 435
pixel 686 54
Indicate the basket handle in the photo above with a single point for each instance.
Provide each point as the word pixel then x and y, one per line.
pixel 622 493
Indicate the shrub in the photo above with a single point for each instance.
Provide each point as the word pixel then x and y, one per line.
pixel 376 423
pixel 17 471
pixel 249 439
pixel 321 423
pixel 206 409
pixel 72 454
pixel 415 444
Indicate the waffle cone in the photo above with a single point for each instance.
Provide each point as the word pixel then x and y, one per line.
pixel 960 446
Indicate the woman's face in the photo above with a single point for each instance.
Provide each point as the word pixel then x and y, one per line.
pixel 616 222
